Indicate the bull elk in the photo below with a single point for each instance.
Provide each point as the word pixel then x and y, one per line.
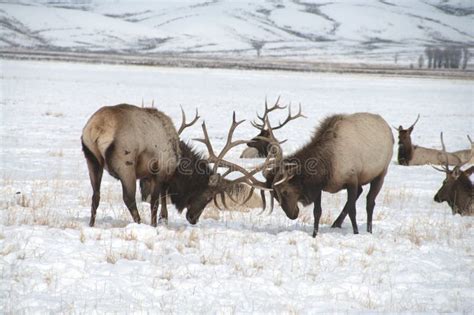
pixel 457 188
pixel 409 154
pixel 346 152
pixel 130 143
pixel 258 146
pixel 133 143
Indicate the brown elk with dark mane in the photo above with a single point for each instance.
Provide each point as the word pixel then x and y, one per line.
pixel 457 188
pixel 346 152
pixel 410 154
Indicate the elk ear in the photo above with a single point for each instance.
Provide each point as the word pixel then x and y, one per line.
pixel 410 129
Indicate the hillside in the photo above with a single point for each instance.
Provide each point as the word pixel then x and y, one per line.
pixel 339 31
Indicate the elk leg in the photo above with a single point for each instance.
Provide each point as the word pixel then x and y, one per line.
pixel 351 201
pixel 317 212
pixel 343 214
pixel 129 186
pixel 164 205
pixel 154 199
pixel 375 187
pixel 95 176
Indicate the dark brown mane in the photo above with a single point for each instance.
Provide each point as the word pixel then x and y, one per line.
pixel 191 177
pixel 319 148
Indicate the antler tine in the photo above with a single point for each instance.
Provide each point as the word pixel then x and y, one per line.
pixel 417 118
pixel 206 142
pixel 185 125
pixel 290 118
pixel 444 152
pixel 461 163
pixel 266 112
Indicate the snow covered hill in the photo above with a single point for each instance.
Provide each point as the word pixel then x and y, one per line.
pixel 303 29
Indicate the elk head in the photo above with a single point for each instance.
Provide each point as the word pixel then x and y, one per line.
pixel 280 177
pixel 405 150
pixel 260 142
pixel 454 178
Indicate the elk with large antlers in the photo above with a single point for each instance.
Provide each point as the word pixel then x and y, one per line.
pixel 410 154
pixel 192 164
pixel 457 188
pixel 346 152
pixel 258 146
pixel 133 143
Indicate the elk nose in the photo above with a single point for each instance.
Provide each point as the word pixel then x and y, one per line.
pixel 191 220
pixel 436 198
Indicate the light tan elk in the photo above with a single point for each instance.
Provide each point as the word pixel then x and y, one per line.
pixel 258 146
pixel 410 154
pixel 457 188
pixel 130 143
pixel 346 152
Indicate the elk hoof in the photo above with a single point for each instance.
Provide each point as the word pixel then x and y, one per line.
pixel 336 225
pixel 315 232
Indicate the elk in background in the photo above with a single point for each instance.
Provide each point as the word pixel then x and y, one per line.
pixel 130 143
pixel 258 146
pixel 346 152
pixel 410 154
pixel 457 188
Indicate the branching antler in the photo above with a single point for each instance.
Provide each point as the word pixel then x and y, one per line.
pixel 445 168
pixel 290 118
pixel 184 124
pixel 265 114
pixel 218 160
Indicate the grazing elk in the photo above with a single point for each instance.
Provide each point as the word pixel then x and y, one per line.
pixel 457 188
pixel 258 146
pixel 130 143
pixel 346 152
pixel 409 154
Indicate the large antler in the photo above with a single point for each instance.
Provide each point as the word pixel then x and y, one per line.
pixel 265 114
pixel 184 124
pixel 290 118
pixel 444 168
pixel 417 118
pixel 218 161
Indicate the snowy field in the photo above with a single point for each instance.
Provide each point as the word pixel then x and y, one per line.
pixel 420 257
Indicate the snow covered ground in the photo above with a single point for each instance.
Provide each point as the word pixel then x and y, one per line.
pixel 347 31
pixel 420 257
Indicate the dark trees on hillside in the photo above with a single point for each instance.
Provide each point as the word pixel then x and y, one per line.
pixel 449 57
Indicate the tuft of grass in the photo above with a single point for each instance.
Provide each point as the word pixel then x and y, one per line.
pixel 193 240
pixel 369 250
pixel 53 114
pixel 82 237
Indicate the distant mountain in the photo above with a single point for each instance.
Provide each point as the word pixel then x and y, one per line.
pixel 357 30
